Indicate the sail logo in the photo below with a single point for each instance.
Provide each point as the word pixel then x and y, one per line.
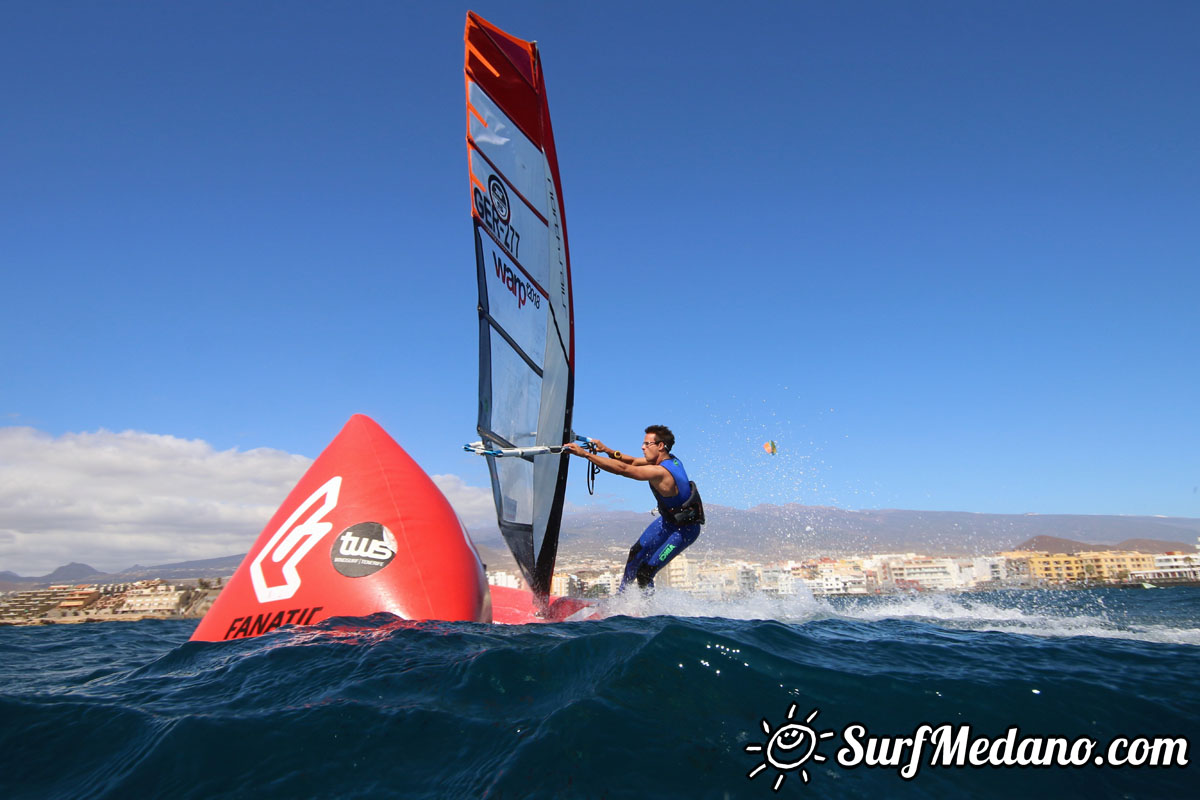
pixel 499 197
pixel 495 211
pixel 292 542
pixel 523 290
pixel 363 549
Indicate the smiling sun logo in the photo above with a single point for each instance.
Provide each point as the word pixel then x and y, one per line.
pixel 789 747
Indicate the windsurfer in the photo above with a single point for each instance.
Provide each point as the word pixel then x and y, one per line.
pixel 680 511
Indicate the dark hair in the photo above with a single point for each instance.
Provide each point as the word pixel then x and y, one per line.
pixel 663 434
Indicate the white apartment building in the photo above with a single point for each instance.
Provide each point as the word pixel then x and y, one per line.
pixel 563 585
pixel 680 573
pixel 838 583
pixel 160 599
pixel 877 563
pixel 931 574
pixel 778 581
pixel 505 579
pixel 986 569
pixel 1170 566
pixel 721 580
pixel 830 576
pixel 608 582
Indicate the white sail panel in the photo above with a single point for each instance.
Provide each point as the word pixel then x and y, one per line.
pixel 498 138
pixel 510 219
pixel 515 304
pixel 555 391
pixel 516 494
pixel 516 397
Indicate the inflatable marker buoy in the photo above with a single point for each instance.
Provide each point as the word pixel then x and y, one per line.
pixel 365 530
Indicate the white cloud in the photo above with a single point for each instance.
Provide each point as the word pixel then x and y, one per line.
pixel 115 499
pixel 473 504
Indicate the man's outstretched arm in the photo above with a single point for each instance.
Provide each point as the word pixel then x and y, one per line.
pixel 618 455
pixel 618 466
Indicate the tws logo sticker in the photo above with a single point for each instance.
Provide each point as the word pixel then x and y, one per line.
pixel 363 549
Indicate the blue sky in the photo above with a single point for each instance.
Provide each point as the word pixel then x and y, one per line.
pixel 944 253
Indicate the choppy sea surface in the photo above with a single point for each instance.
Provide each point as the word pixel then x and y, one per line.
pixel 661 697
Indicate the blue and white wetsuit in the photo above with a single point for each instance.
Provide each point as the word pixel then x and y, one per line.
pixel 662 540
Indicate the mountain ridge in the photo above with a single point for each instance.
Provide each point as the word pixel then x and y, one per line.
pixel 765 533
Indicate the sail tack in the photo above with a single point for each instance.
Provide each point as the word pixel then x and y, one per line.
pixel 526 343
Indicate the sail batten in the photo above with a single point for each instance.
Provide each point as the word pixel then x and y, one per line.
pixel 526 347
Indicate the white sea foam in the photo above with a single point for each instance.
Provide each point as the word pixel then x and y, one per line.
pixel 1027 615
pixel 753 605
pixel 1033 613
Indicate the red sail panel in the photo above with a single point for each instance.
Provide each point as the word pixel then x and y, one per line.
pixel 504 67
pixel 520 52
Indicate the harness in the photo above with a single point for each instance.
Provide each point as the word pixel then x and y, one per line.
pixel 690 510
pixel 690 513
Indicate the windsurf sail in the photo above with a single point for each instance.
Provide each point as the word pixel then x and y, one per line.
pixel 526 337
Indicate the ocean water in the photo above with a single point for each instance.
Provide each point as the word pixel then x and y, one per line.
pixel 659 698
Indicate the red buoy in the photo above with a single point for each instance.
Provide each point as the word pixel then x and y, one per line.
pixel 365 530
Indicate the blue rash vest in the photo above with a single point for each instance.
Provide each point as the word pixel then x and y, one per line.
pixel 675 467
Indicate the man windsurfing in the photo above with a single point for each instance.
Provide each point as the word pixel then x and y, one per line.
pixel 680 510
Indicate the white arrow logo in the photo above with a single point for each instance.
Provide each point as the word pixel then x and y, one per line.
pixel 293 543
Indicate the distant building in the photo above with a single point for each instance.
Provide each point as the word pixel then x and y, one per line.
pixel 604 583
pixel 1107 565
pixel 680 573
pixel 923 572
pixel 777 581
pixel 152 597
pixel 564 585
pixel 505 579
pixel 1095 566
pixel 715 581
pixel 987 569
pixel 828 576
pixel 1170 567
pixel 1017 566
pixel 34 603
pixel 79 599
pixel 1055 568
